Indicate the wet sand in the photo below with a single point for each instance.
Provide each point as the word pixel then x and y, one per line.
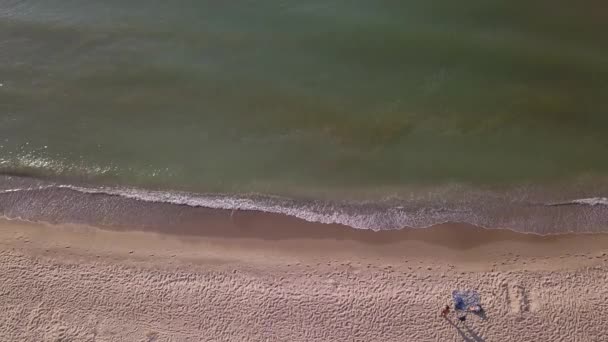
pixel 249 277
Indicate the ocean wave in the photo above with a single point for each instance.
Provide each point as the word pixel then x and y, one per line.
pixel 482 209
pixel 359 215
pixel 592 201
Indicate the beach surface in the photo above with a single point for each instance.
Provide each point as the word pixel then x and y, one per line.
pixel 265 280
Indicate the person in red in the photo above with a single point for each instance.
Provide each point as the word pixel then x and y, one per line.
pixel 445 311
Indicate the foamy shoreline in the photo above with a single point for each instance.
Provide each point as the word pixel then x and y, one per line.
pixel 84 283
pixel 542 210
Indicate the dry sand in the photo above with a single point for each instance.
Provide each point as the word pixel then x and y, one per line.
pixel 78 283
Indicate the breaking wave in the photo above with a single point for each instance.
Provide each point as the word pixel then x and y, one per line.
pixel 593 201
pixel 484 209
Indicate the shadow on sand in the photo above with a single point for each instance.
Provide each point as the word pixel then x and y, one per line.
pixel 467 334
pixel 481 314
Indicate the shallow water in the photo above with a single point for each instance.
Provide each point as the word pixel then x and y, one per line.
pixel 397 102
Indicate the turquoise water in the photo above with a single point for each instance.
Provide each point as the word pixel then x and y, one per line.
pixel 338 99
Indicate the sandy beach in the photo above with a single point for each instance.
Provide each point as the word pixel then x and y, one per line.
pixel 81 283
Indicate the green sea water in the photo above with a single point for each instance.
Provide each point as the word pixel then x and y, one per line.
pixel 292 97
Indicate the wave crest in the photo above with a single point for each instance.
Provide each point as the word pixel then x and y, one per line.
pixel 483 209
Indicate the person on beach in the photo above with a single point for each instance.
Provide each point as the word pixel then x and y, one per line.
pixel 445 311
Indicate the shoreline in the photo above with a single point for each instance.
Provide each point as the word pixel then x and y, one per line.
pixel 458 243
pixel 462 247
pixel 41 200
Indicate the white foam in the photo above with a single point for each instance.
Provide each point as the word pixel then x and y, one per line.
pixel 379 216
pixel 268 204
pixel 349 214
pixel 592 201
